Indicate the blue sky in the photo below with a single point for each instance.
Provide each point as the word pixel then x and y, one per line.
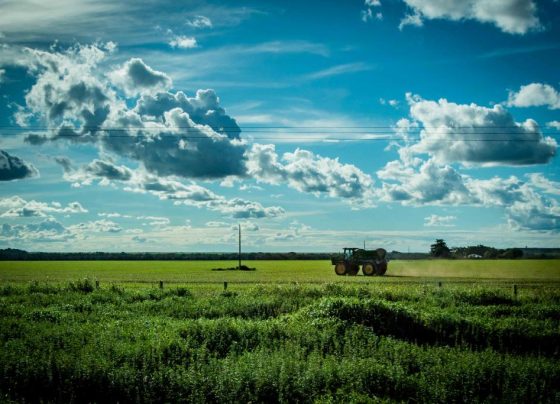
pixel 315 125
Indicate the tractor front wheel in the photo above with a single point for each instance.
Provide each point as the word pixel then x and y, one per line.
pixel 340 268
pixel 368 269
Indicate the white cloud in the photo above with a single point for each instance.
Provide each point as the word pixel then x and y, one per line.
pixel 154 220
pixel 368 13
pixel 97 226
pixel 183 42
pixel 553 124
pixel 476 135
pixel 168 189
pixel 104 171
pixel 538 180
pixel 199 21
pixel 113 215
pixel 245 226
pixel 338 70
pixel 535 95
pixel 439 221
pixel 427 183
pixel 510 16
pixel 414 19
pixel 49 230
pixel 135 77
pixel 217 224
pixel 392 103
pixel 16 206
pixel 308 172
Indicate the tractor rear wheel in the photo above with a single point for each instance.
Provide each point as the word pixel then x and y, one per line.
pixel 340 268
pixel 380 268
pixel 353 269
pixel 368 269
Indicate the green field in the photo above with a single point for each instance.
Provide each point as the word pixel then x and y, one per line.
pixel 273 271
pixel 290 331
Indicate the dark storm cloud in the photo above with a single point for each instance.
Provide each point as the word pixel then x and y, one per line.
pixel 14 168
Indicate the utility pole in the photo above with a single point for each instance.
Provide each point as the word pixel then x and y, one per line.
pixel 239 267
pixel 364 244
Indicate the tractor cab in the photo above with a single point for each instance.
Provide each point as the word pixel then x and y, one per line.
pixel 349 253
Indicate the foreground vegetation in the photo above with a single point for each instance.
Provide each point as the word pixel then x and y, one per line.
pixel 73 342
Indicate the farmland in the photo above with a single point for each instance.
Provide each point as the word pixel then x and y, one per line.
pixel 273 271
pixel 289 331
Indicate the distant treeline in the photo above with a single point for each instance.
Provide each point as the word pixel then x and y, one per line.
pixel 482 251
pixel 12 254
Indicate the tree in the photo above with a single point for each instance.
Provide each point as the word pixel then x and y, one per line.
pixel 439 249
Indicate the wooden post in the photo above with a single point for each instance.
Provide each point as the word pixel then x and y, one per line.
pixel 225 286
pixel 515 291
pixel 161 284
pixel 440 284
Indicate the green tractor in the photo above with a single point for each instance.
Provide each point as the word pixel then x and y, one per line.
pixel 373 262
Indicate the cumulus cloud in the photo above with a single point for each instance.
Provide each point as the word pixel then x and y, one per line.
pixel 97 226
pixel 66 90
pixel 214 223
pixel 427 183
pixel 199 21
pixel 113 215
pixel 308 172
pixel 535 95
pixel 154 220
pixel 49 230
pixel 414 19
pixel 169 133
pixel 190 194
pixel 16 206
pixel 553 124
pixel 477 135
pixel 179 146
pixel 368 12
pixel 204 109
pixel 104 171
pixel 135 77
pixel 183 42
pixel 14 168
pixel 198 196
pixel 538 180
pixel 510 16
pixel 439 221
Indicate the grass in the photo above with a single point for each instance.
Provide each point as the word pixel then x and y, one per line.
pixel 272 271
pixel 290 331
pixel 278 343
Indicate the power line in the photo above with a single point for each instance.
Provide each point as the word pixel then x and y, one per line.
pixel 265 127
pixel 299 139
pixel 280 134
